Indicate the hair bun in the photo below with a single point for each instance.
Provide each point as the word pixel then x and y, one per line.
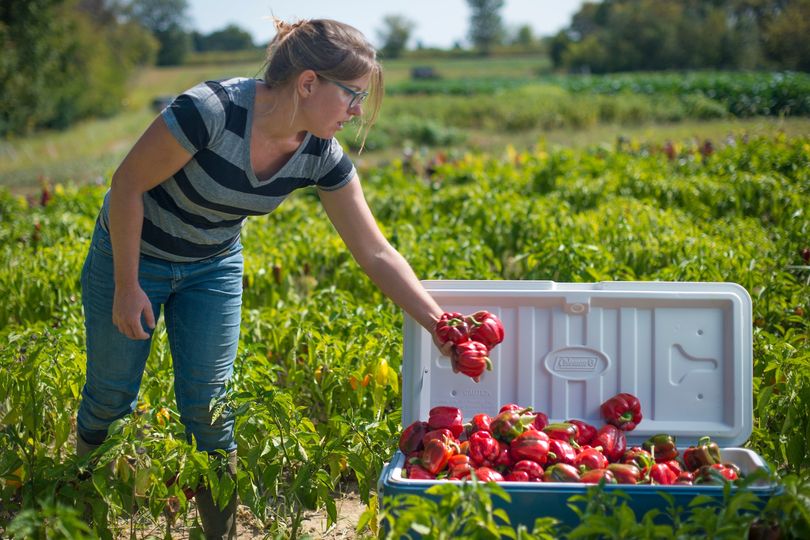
pixel 284 28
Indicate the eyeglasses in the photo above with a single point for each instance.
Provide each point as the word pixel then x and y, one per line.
pixel 358 97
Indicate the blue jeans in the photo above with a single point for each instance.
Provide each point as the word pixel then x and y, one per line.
pixel 202 309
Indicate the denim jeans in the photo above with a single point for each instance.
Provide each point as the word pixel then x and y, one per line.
pixel 202 309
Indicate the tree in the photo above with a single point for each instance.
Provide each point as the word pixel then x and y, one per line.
pixel 394 35
pixel 230 38
pixel 166 19
pixel 486 25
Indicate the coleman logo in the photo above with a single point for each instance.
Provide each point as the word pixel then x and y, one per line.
pixel 575 363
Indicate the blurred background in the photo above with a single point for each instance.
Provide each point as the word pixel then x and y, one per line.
pixel 81 79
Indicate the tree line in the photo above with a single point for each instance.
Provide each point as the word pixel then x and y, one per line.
pixel 64 60
pixel 631 35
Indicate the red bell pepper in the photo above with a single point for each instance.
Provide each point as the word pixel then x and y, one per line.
pixel 452 327
pixel 443 434
pixel 662 473
pixel 486 328
pixel 590 458
pixel 561 452
pixel 513 407
pixel 686 478
pixel 563 431
pixel 531 468
pixel 516 476
pixel 485 474
pixel 446 417
pixel 540 421
pixel 706 452
pixel 594 476
pixel 639 457
pixel 561 472
pixel 612 440
pixel 411 438
pixel 532 445
pixel 459 467
pixel 435 456
pixel 662 447
pixel 622 410
pixel 625 473
pixel 417 472
pixel 504 460
pixel 471 358
pixel 479 422
pixel 586 431
pixel 717 473
pixel 510 423
pixel 484 449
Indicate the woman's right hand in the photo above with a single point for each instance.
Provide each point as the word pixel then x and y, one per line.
pixel 129 304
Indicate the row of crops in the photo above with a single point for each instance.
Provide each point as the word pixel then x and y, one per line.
pixel 316 392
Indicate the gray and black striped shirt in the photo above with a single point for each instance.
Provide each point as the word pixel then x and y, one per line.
pixel 198 213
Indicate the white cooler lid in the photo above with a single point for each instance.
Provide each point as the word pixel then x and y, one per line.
pixel 684 348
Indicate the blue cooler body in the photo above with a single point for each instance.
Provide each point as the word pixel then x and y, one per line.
pixel 684 348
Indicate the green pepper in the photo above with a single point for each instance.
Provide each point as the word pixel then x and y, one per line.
pixel 705 453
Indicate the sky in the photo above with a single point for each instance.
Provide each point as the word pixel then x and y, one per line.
pixel 438 23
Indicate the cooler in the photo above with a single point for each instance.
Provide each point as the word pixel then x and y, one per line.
pixel 684 348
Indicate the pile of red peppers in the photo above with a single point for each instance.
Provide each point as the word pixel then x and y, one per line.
pixel 520 445
pixel 473 337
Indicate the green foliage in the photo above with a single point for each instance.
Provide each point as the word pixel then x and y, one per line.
pixel 630 35
pixel 60 65
pixel 316 393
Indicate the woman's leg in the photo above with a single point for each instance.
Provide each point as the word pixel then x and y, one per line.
pixel 203 317
pixel 115 363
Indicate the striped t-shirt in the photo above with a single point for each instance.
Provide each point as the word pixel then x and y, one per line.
pixel 198 213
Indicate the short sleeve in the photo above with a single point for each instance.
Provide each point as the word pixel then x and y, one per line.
pixel 197 116
pixel 336 168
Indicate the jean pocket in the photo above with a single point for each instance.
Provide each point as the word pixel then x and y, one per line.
pixel 101 241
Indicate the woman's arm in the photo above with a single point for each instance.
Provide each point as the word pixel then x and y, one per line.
pixel 155 157
pixel 349 212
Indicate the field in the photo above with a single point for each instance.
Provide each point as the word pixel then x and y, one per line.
pixel 636 195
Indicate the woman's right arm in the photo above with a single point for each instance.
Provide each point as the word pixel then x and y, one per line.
pixel 154 158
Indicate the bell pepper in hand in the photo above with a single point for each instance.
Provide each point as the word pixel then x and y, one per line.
pixel 532 445
pixel 662 447
pixel 486 328
pixel 586 432
pixel 411 438
pixel 446 417
pixel 622 410
pixel 452 327
pixel 471 358
pixel 612 440
pixel 706 452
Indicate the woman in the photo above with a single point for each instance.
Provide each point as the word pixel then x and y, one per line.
pixel 168 232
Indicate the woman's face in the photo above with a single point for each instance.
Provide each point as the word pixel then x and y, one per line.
pixel 332 103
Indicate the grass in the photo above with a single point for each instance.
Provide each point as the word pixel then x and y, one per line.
pixel 89 151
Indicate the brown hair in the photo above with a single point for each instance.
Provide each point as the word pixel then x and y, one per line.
pixel 331 48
